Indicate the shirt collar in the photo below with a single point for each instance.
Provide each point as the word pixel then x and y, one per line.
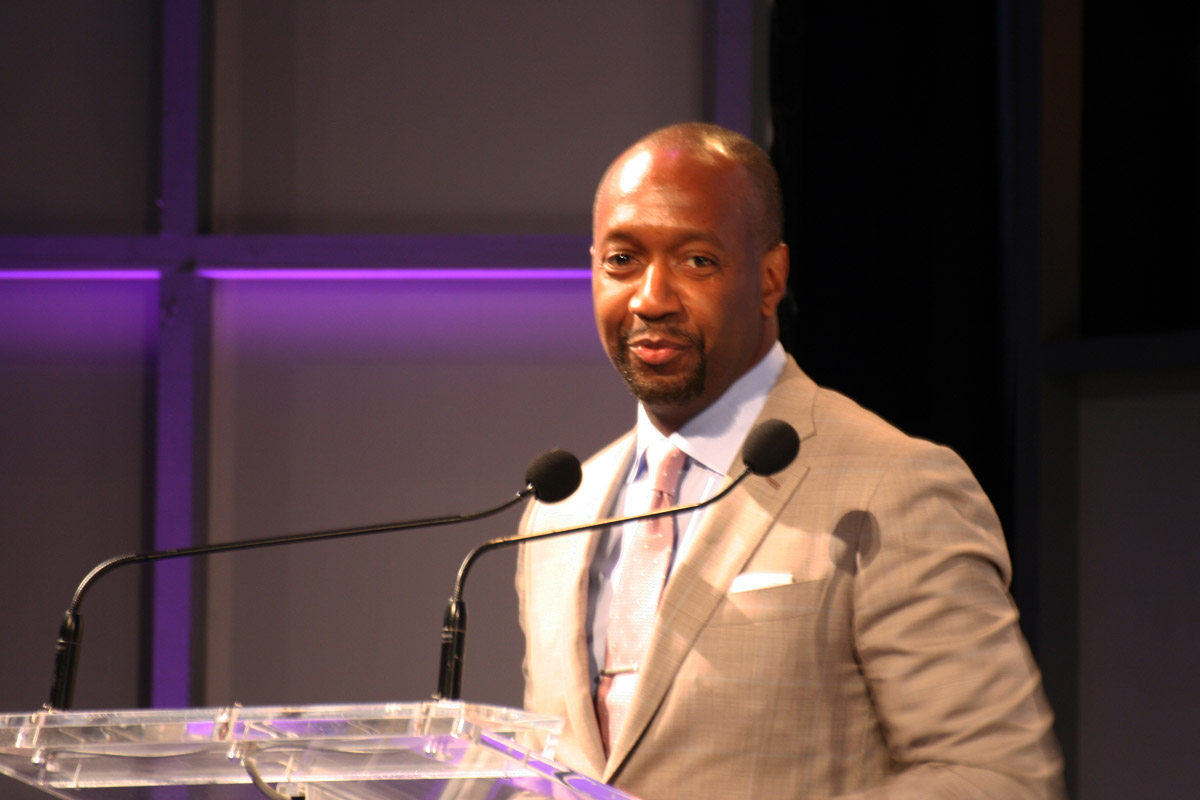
pixel 713 437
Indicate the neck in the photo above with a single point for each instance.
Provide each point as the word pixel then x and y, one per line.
pixel 668 420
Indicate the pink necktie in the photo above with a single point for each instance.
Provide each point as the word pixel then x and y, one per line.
pixel 635 598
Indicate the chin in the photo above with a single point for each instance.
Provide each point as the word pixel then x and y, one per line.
pixel 653 388
pixel 665 391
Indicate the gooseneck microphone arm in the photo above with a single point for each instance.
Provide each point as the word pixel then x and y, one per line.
pixel 454 624
pixel 769 447
pixel 552 476
pixel 66 655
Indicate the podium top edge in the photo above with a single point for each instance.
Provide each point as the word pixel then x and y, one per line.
pixel 236 715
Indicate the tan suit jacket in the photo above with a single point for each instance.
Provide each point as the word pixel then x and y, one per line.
pixel 841 629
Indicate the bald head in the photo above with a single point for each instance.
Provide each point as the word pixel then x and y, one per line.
pixel 706 142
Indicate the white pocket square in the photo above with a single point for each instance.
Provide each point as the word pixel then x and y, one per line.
pixel 750 581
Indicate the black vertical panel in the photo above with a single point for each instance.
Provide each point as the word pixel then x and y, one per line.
pixel 885 121
pixel 1141 168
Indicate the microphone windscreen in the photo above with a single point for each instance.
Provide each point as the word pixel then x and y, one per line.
pixel 770 447
pixel 554 476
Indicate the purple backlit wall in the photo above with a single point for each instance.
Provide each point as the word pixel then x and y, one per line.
pixel 75 396
pixel 356 240
pixel 334 402
pixel 339 403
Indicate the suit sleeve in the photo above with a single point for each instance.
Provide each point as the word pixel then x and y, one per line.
pixel 957 693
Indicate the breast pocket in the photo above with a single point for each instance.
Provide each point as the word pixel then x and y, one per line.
pixel 798 599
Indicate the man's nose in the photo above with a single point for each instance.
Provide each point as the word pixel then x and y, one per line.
pixel 655 296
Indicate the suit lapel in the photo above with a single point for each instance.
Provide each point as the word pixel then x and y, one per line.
pixel 728 536
pixel 569 570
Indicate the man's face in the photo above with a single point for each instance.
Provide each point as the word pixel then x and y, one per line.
pixel 684 298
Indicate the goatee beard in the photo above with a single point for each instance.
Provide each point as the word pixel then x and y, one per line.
pixel 662 390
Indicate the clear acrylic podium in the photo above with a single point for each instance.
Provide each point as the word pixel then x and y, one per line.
pixel 415 751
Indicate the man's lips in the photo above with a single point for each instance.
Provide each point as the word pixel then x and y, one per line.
pixel 656 351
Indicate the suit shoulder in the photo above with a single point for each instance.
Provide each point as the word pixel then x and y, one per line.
pixel 828 417
pixel 848 433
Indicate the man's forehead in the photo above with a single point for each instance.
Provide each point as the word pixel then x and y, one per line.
pixel 653 187
pixel 653 162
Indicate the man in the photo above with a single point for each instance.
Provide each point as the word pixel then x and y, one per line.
pixel 840 629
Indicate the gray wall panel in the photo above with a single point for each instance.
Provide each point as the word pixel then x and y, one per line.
pixel 351 403
pixel 1139 474
pixel 73 379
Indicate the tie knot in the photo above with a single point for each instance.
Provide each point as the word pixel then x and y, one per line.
pixel 664 462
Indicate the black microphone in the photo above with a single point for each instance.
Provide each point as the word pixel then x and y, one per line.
pixel 770 446
pixel 551 477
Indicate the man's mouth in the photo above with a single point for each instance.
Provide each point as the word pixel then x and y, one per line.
pixel 663 366
pixel 655 351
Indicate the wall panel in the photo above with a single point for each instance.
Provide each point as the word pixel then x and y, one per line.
pixel 77 141
pixel 470 117
pixel 344 403
pixel 1139 468
pixel 74 375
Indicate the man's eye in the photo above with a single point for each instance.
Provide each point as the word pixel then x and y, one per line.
pixel 700 262
pixel 619 260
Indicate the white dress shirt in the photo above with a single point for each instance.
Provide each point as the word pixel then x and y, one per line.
pixel 712 440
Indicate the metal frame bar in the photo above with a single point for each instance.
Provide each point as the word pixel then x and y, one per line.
pixel 181 373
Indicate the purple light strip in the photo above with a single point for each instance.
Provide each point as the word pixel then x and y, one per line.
pixel 270 274
pixel 462 274
pixel 79 274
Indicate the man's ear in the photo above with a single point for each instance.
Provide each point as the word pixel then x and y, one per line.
pixel 776 263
